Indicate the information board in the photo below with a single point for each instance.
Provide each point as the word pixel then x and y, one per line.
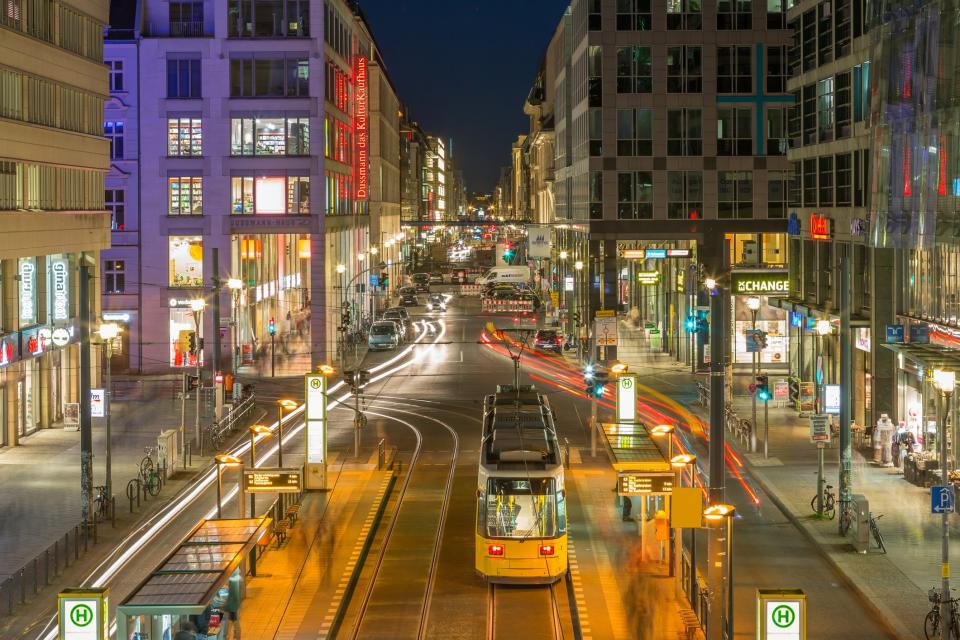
pixel 641 483
pixel 272 480
pixel 820 428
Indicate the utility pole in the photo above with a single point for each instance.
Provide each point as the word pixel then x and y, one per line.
pixel 718 301
pixel 216 311
pixel 86 422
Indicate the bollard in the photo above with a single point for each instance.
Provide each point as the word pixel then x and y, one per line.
pixel 113 511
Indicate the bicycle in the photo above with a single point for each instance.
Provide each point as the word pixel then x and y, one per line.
pixel 875 530
pixel 101 503
pixel 931 624
pixel 149 474
pixel 829 503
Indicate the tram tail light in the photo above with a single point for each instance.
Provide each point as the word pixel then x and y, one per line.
pixel 495 549
pixel 547 549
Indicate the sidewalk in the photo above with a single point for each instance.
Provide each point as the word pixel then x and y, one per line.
pixel 894 585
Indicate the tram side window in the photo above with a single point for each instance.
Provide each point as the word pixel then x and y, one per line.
pixel 481 513
pixel 521 508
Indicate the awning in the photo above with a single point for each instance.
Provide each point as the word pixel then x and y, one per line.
pixel 808 311
pixel 631 448
pixel 927 356
pixel 186 580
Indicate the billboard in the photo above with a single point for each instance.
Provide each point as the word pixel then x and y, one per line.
pixel 538 241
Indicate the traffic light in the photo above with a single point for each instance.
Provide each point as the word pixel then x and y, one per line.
pixel 691 324
pixel 191 383
pixel 348 377
pixel 600 380
pixel 192 342
pixel 272 327
pixel 508 253
pixel 763 388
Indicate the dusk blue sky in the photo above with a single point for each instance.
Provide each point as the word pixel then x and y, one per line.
pixel 464 69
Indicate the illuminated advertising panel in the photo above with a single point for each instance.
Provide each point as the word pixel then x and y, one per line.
pixel 360 127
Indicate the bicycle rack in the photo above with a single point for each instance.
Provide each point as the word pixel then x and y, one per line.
pixel 133 491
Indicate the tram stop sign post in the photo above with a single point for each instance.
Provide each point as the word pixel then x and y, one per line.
pixel 781 614
pixel 626 398
pixel 82 614
pixel 315 465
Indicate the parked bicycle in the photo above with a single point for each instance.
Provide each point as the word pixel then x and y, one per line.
pixel 149 473
pixel 101 503
pixel 875 530
pixel 931 624
pixel 829 503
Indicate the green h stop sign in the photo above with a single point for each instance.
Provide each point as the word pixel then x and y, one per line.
pixel 80 620
pixel 782 620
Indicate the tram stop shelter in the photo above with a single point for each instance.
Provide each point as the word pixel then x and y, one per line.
pixel 632 449
pixel 188 579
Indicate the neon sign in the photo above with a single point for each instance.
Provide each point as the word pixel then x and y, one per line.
pixel 819 226
pixel 61 281
pixel 360 126
pixel 28 306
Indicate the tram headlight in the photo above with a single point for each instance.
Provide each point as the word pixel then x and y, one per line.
pixel 547 549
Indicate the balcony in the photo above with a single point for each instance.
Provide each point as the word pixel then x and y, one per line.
pixel 186 29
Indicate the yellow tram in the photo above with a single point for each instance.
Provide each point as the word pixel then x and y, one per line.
pixel 521 534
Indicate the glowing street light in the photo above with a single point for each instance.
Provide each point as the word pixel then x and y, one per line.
pixel 289 405
pixel 718 515
pixel 224 461
pixel 341 268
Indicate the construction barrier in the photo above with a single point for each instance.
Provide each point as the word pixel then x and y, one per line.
pixel 472 290
pixel 492 305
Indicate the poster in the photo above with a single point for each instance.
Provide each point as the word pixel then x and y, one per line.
pixel 538 241
pixel 806 396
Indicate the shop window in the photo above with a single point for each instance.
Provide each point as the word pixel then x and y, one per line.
pixel 734 14
pixel 113 200
pixel 769 319
pixel 634 195
pixel 186 261
pixel 684 195
pixel 184 137
pixel 114 276
pixel 684 69
pixel 684 132
pixel 684 14
pixel 185 195
pixel 270 194
pixel 733 132
pixel 634 132
pixel 633 15
pixel 270 136
pixel 182 324
pixel 634 70
pixel 734 71
pixel 734 195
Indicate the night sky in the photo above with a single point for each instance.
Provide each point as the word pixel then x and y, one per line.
pixel 464 69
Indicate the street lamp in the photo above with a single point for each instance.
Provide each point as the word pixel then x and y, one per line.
pixel 563 255
pixel 662 430
pixel 721 515
pixel 197 305
pixel 109 331
pixel 753 303
pixel 945 382
pixel 236 286
pixel 710 283
pixel 578 265
pixel 230 462
pixel 374 251
pixel 679 462
pixel 289 405
pixel 263 431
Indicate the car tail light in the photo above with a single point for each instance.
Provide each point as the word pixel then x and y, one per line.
pixel 495 549
pixel 546 549
pixel 559 340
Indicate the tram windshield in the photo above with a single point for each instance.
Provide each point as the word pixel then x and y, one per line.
pixel 521 508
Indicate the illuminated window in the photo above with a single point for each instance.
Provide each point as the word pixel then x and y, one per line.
pixel 185 195
pixel 114 276
pixel 113 131
pixel 184 137
pixel 684 14
pixel 268 18
pixel 776 14
pixel 270 194
pixel 270 136
pixel 116 74
pixel 684 195
pixel 113 200
pixel 186 261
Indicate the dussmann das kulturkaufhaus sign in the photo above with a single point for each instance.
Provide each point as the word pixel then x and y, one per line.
pixel 768 282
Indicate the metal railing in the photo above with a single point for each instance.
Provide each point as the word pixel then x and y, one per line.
pixel 40 572
pixel 216 433
pixel 739 427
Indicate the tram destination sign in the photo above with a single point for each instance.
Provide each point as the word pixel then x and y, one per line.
pixel 769 282
pixel 641 483
pixel 272 480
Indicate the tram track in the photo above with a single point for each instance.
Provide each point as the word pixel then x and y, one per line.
pixel 510 613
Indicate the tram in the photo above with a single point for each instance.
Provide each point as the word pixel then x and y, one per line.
pixel 521 516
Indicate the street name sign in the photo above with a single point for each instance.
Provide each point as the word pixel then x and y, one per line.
pixel 781 614
pixel 942 499
pixel 82 614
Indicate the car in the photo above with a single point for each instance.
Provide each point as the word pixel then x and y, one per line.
pixel 498 289
pixel 400 316
pixel 409 300
pixel 436 277
pixel 421 281
pixel 548 340
pixel 437 302
pixel 384 334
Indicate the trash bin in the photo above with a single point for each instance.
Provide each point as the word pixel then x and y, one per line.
pixel 860 527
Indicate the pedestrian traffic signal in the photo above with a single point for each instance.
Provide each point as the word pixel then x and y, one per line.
pixel 272 327
pixel 763 388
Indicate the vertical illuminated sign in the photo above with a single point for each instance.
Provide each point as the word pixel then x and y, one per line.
pixel 315 411
pixel 28 290
pixel 360 127
pixel 60 277
pixel 627 397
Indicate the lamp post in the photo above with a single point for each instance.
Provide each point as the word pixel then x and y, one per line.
pixel 679 463
pixel 945 381
pixel 823 327
pixel 342 332
pixel 230 462
pixel 721 515
pixel 578 303
pixel 197 305
pixel 661 431
pixel 265 432
pixel 289 405
pixel 109 331
pixel 753 303
pixel 235 285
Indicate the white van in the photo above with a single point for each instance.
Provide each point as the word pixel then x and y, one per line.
pixel 509 275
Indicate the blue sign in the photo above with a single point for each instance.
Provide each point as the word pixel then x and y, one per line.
pixel 655 253
pixel 796 319
pixel 942 499
pixel 374 280
pixel 894 333
pixel 793 224
pixel 920 333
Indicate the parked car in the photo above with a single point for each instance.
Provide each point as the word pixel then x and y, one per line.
pixel 437 302
pixel 548 340
pixel 436 277
pixel 384 334
pixel 421 281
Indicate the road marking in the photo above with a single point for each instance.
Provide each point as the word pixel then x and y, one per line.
pixel 578 594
